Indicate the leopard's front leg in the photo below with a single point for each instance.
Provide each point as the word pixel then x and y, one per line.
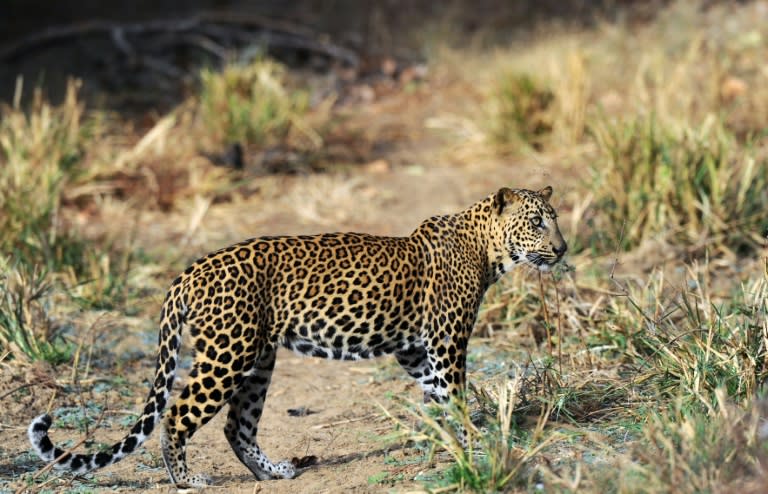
pixel 447 360
pixel 447 366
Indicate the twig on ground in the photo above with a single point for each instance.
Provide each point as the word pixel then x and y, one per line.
pixel 208 31
pixel 546 314
pixel 17 388
pixel 342 422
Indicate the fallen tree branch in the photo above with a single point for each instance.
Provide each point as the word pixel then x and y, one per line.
pixel 221 26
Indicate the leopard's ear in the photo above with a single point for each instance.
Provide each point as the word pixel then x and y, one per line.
pixel 503 198
pixel 546 193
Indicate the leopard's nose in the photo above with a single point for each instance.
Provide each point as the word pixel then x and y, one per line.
pixel 560 249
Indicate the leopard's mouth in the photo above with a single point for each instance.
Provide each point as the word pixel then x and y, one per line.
pixel 541 262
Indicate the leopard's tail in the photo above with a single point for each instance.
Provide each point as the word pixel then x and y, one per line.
pixel 172 318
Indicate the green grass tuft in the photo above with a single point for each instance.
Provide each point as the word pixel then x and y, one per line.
pixel 251 104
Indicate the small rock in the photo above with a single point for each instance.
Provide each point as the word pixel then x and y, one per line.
pixel 732 88
pixel 377 167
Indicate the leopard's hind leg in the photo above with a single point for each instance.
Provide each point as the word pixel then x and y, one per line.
pixel 245 408
pixel 210 386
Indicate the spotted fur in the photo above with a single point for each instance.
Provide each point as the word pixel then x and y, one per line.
pixel 341 296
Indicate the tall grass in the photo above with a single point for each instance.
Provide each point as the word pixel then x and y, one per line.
pixel 40 150
pixel 671 117
pixel 43 150
pixel 681 340
pixel 692 346
pixel 720 449
pixel 521 113
pixel 26 330
pixel 716 450
pixel 697 189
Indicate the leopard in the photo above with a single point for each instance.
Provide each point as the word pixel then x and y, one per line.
pixel 342 296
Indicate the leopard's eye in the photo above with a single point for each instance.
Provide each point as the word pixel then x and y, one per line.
pixel 536 221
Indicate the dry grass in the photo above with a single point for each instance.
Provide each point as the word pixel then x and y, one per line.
pixel 523 116
pixel 693 345
pixel 698 190
pixel 61 166
pixel 711 451
pixel 658 382
pixel 40 151
pixel 664 115
pixel 719 450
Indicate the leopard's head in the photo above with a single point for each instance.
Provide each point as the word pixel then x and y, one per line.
pixel 525 232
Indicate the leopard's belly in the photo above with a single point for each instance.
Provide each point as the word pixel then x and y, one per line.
pixel 351 336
